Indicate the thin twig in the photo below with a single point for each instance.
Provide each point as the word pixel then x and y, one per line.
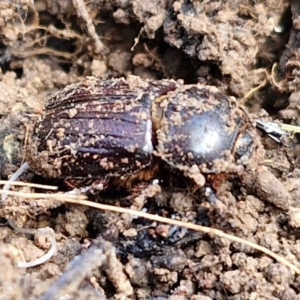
pixel 59 197
pixel 76 200
pixel 189 226
pixel 33 185
pixel 83 13
pixel 46 232
pixel 100 255
pixel 23 168
pixel 44 257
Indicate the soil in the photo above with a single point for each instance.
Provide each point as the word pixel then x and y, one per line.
pixel 249 50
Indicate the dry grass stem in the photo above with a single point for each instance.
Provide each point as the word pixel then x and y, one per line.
pixel 59 197
pixel 191 226
pixel 33 185
pixel 79 199
pixel 83 14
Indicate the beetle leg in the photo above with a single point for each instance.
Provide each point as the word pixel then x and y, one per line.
pixel 86 186
pixel 139 195
pixel 141 192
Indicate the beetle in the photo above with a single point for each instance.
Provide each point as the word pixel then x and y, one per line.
pixel 121 130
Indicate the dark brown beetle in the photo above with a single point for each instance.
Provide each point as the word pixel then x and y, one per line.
pixel 117 128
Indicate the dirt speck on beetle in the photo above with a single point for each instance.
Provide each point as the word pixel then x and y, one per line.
pixel 232 45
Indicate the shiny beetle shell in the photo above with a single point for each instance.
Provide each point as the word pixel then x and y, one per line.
pixel 95 129
pixel 113 128
pixel 203 131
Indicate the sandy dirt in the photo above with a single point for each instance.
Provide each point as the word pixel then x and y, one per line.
pixel 249 50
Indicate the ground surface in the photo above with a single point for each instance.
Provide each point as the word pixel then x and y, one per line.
pixel 250 50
